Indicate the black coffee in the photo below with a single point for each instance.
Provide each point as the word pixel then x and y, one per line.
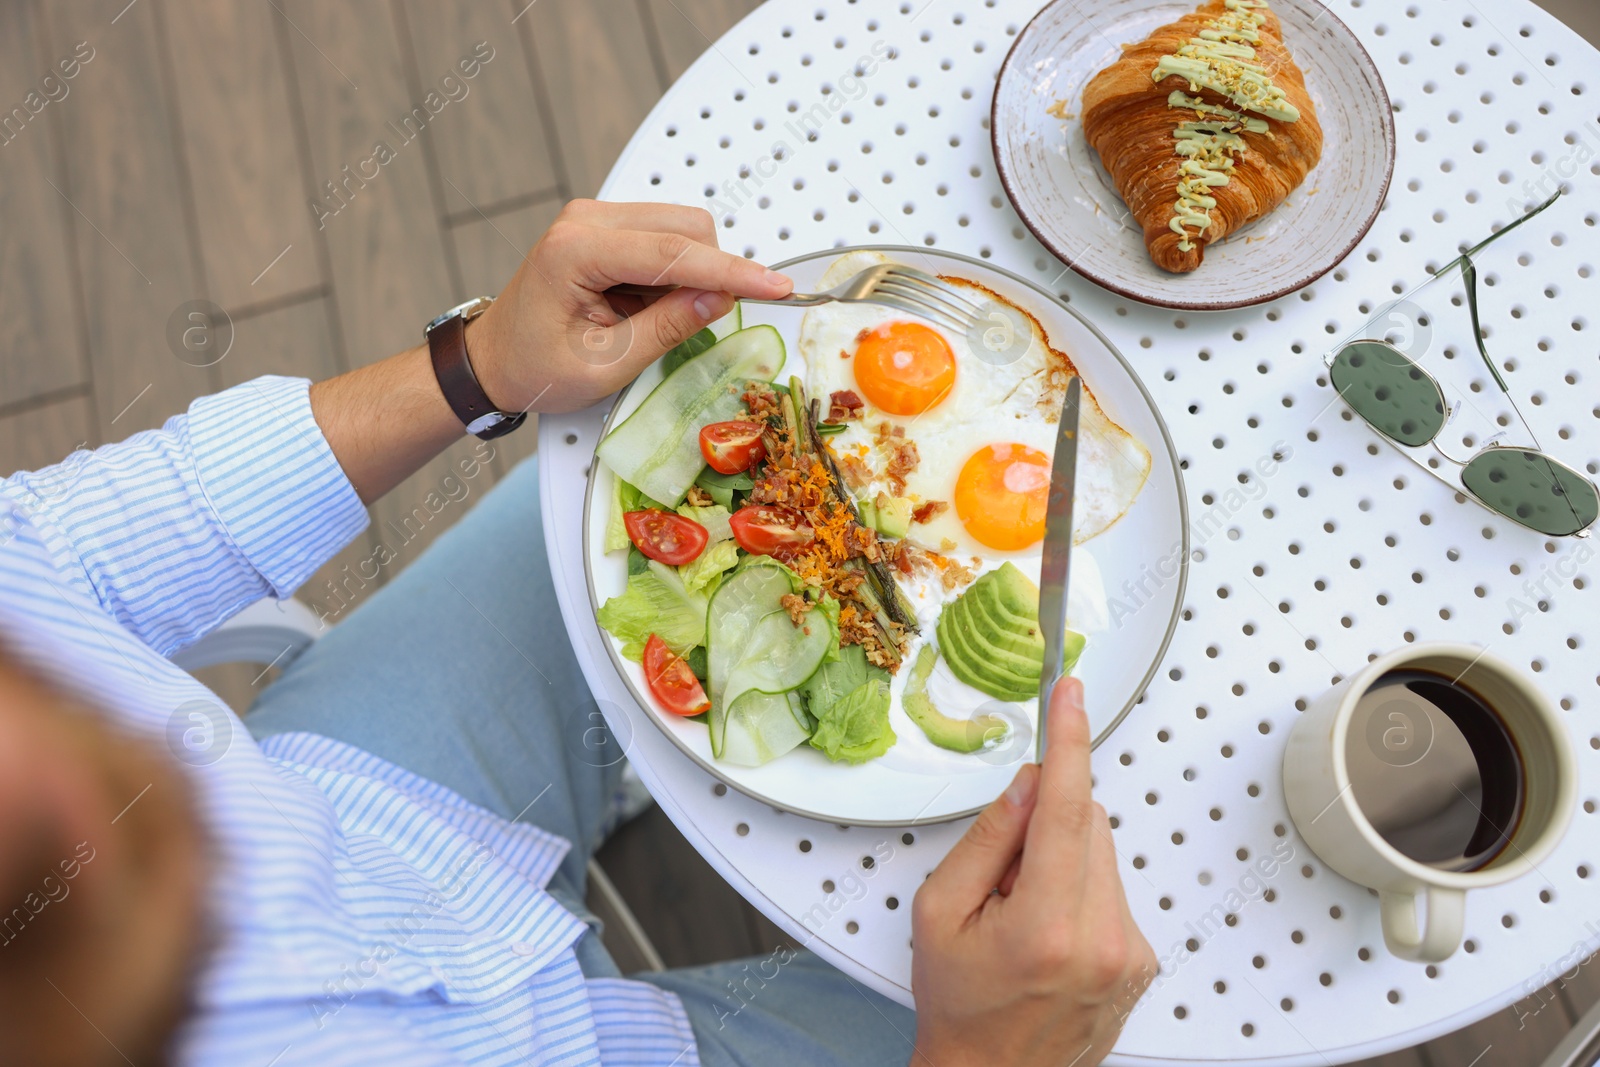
pixel 1434 770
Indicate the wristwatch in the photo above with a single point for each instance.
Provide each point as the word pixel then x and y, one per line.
pixel 447 344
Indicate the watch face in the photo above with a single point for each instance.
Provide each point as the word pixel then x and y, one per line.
pixel 471 309
pixel 486 422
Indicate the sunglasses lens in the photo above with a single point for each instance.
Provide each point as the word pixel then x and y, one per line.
pixel 1397 397
pixel 1539 493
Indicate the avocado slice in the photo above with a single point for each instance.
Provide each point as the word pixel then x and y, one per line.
pixel 990 636
pixel 975 668
pixel 1001 628
pixel 1027 640
pixel 894 515
pixel 867 512
pixel 889 515
pixel 1015 591
pixel 984 636
pixel 1071 650
pixel 957 735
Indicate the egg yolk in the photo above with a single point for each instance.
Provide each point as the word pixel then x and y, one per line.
pixel 904 368
pixel 1002 493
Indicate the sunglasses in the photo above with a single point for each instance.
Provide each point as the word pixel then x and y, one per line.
pixel 1401 400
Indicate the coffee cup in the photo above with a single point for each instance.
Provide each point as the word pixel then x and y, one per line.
pixel 1434 770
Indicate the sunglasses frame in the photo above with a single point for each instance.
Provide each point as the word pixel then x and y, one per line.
pixel 1469 273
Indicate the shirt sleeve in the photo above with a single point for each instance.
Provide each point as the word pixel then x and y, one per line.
pixel 175 530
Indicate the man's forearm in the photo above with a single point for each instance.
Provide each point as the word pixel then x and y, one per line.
pixel 385 420
pixel 553 340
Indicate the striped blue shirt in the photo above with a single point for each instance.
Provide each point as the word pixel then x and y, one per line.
pixel 365 915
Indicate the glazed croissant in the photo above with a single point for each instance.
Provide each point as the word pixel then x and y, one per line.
pixel 1205 126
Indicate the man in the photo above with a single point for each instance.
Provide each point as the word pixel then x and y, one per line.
pixel 385 864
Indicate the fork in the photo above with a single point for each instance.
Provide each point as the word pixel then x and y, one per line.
pixel 889 284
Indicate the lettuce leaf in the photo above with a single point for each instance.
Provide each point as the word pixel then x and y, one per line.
pixel 855 728
pixel 704 574
pixel 713 517
pixel 616 533
pixel 848 669
pixel 656 601
pixel 828 608
pixel 624 498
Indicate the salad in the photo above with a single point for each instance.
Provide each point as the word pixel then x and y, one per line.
pixel 762 597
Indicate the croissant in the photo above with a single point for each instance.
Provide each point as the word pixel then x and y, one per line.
pixel 1205 126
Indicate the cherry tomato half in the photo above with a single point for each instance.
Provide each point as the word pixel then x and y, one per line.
pixel 731 447
pixel 672 539
pixel 764 530
pixel 671 681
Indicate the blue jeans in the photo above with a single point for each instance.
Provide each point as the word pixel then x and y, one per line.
pixel 460 670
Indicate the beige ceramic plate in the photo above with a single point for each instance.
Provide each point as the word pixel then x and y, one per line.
pixel 1064 195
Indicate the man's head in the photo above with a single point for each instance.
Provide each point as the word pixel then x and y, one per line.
pixel 102 871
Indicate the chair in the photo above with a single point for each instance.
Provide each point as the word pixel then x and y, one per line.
pixel 274 632
pixel 1581 1047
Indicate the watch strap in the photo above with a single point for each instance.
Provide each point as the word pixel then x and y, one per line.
pixel 447 346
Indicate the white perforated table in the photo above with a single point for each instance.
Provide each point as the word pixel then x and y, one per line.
pixel 1346 550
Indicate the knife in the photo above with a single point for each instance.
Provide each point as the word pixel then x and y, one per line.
pixel 1056 567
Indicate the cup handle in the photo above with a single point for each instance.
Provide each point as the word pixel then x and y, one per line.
pixel 1446 918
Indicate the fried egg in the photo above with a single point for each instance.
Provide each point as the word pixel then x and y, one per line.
pixel 984 427
pixel 983 417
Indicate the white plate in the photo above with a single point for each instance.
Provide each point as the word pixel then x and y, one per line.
pixel 1065 196
pixel 1143 558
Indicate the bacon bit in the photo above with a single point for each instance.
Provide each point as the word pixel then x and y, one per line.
pixel 844 405
pixel 698 497
pixel 856 628
pixel 866 332
pixel 951 573
pixel 763 405
pixel 796 605
pixel 955 576
pixel 863 542
pixel 927 512
pixel 843 354
pixel 902 461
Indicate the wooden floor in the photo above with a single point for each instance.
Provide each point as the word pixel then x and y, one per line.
pixel 210 151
